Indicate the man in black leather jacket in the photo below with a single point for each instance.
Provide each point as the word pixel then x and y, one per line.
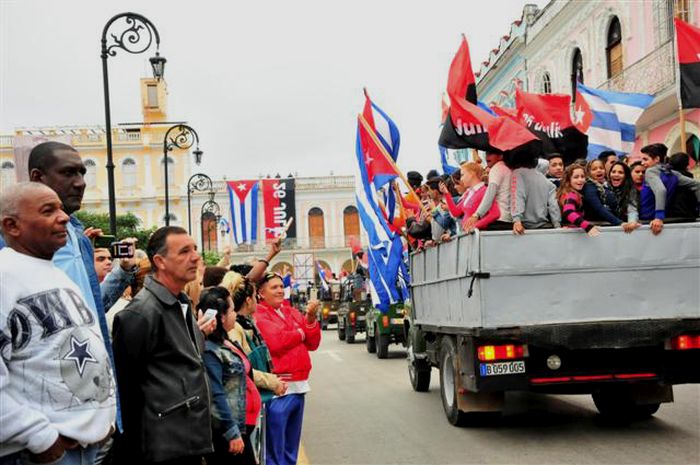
pixel 158 348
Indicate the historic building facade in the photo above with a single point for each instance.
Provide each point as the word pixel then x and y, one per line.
pixel 608 44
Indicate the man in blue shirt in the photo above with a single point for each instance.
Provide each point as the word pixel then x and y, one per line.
pixel 60 167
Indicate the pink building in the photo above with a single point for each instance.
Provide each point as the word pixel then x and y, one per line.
pixel 618 45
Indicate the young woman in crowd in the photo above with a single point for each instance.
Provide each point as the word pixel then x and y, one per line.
pixel 637 175
pixel 471 199
pixel 235 399
pixel 571 200
pixel 599 201
pixel 290 336
pixel 626 195
pixel 247 335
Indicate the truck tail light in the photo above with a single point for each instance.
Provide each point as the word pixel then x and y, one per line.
pixel 685 342
pixel 385 321
pixel 500 352
pixel 353 317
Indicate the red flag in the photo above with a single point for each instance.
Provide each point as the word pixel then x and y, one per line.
pixel 380 170
pixel 688 47
pixel 445 108
pixel 501 111
pixel 548 116
pixel 506 134
pixel 466 127
pixel 460 81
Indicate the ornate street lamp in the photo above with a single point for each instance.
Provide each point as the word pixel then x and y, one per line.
pixel 179 136
pixel 134 34
pixel 198 182
pixel 209 208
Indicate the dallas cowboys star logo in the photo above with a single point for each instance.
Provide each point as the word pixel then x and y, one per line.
pixel 80 354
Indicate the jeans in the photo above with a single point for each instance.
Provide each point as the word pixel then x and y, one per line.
pixel 79 456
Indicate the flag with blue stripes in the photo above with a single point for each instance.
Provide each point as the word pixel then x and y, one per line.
pixel 385 249
pixel 322 276
pixel 243 197
pixel 615 115
pixel 383 126
pixel 224 225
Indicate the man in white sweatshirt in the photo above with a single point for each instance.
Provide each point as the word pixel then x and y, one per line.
pixel 57 392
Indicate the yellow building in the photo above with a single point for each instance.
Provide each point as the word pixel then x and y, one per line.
pixel 138 159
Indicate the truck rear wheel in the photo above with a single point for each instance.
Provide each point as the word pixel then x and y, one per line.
pixel 341 332
pixel 382 344
pixel 448 383
pixel 418 369
pixel 619 405
pixel 349 333
pixel 370 343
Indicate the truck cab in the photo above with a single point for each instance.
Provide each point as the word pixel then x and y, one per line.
pixel 555 311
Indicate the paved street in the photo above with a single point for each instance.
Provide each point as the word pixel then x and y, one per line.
pixel 362 411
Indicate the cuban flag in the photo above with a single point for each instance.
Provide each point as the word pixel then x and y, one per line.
pixel 224 226
pixel 613 116
pixel 385 250
pixel 243 196
pixel 322 276
pixel 383 127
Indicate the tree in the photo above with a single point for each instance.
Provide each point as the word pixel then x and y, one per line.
pixel 128 225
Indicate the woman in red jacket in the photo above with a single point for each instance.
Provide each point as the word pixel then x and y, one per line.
pixel 289 336
pixel 470 179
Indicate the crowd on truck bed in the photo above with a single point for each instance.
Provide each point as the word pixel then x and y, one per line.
pixel 587 195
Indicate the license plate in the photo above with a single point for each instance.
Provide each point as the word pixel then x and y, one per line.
pixel 361 318
pixel 498 369
pixel 397 321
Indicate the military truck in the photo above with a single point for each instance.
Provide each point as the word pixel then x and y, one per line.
pixel 330 302
pixel 355 303
pixel 556 311
pixel 386 328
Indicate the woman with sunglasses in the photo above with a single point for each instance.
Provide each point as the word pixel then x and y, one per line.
pixel 289 336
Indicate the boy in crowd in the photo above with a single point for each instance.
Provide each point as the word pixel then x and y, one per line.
pixel 556 168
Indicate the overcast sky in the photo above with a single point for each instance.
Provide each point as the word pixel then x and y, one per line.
pixel 270 86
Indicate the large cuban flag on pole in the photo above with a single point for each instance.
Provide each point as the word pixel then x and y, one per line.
pixel 614 116
pixel 243 196
pixel 385 250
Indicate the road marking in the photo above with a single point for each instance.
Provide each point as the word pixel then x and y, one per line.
pixel 302 459
pixel 332 354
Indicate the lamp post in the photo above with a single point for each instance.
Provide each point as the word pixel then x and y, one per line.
pixel 210 207
pixel 179 136
pixel 198 182
pixel 134 34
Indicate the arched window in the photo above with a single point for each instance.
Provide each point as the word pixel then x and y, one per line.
pixel 171 172
pixel 546 83
pixel 7 174
pixel 210 238
pixel 613 51
pixel 576 69
pixel 351 225
pixel 682 9
pixel 90 173
pixel 317 232
pixel 128 172
pixel 663 20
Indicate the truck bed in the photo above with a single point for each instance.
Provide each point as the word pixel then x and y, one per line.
pixel 557 276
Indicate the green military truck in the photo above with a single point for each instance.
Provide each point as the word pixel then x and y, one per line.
pixel 352 313
pixel 386 328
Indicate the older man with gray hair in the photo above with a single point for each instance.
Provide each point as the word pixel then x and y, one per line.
pixel 57 392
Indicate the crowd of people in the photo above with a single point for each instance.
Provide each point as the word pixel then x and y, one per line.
pixel 158 359
pixel 588 195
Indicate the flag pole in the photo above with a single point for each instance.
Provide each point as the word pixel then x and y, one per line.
pixel 681 114
pixel 386 155
pixel 681 122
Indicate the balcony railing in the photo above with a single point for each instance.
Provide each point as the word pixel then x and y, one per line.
pixel 650 75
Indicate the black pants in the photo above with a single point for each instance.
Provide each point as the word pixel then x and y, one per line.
pixel 222 456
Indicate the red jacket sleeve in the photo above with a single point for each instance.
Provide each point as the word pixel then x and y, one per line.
pixel 455 210
pixel 278 338
pixel 493 214
pixel 313 335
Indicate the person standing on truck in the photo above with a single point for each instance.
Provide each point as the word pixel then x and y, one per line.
pixel 627 196
pixel 571 201
pixel 290 336
pixel 660 185
pixel 471 199
pixel 533 201
pixel 555 170
pixel 498 190
pixel 599 201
